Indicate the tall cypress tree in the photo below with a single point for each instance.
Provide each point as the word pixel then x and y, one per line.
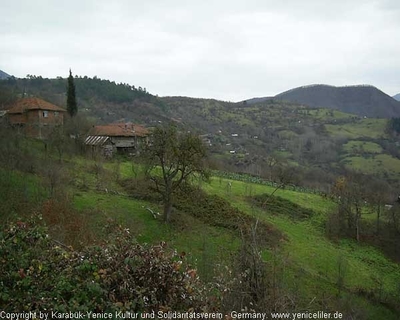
pixel 72 107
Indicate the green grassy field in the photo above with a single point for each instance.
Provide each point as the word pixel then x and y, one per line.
pixel 202 243
pixel 367 128
pixel 355 147
pixel 310 260
pixel 312 254
pixel 382 164
pixel 329 115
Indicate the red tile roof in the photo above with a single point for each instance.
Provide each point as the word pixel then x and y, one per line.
pixel 120 130
pixel 25 104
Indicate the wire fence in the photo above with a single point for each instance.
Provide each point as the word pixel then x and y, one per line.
pixel 258 180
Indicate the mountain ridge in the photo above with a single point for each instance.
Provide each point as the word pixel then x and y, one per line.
pixel 362 100
pixel 4 75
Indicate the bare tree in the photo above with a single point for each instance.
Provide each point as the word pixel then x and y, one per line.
pixel 179 157
pixel 351 195
pixel 378 194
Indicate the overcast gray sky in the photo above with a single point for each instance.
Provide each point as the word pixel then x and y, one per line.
pixel 223 49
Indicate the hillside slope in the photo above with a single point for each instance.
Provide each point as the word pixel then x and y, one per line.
pixel 103 100
pixel 241 136
pixel 397 97
pixel 305 265
pixel 360 100
pixel 4 75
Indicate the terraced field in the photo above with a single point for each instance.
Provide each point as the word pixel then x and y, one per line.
pixel 310 261
pixel 365 128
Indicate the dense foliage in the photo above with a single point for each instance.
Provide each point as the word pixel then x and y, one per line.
pixel 109 90
pixel 86 88
pixel 278 205
pixel 38 273
pixel 394 125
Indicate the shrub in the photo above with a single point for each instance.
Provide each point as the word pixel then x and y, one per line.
pixel 278 205
pixel 121 275
pixel 210 209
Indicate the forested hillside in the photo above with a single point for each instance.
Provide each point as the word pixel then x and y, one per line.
pixel 260 138
pixel 103 100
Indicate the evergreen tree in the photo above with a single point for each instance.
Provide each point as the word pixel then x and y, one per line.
pixel 72 107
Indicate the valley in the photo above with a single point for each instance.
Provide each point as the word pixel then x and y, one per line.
pixel 285 181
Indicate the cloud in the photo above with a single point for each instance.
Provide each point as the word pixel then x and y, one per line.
pixel 229 50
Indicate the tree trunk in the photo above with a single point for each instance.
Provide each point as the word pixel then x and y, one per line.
pixel 167 200
pixel 358 229
pixel 167 210
pixel 45 148
pixel 358 217
pixel 378 216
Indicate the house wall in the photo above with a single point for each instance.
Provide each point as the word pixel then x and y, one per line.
pixel 52 118
pixel 33 116
pixel 36 123
pixel 124 142
pixel 106 150
pixel 17 118
pixel 128 144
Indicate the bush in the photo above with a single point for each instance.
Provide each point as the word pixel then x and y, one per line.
pixel 210 209
pixel 278 205
pixel 141 189
pixel 40 274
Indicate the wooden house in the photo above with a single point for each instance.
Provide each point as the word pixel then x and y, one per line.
pixel 118 137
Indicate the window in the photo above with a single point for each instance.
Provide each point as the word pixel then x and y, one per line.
pixel 56 113
pixel 45 114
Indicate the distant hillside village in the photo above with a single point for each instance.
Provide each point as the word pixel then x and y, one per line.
pixel 37 118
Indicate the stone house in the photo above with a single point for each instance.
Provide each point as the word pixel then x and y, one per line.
pixel 35 117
